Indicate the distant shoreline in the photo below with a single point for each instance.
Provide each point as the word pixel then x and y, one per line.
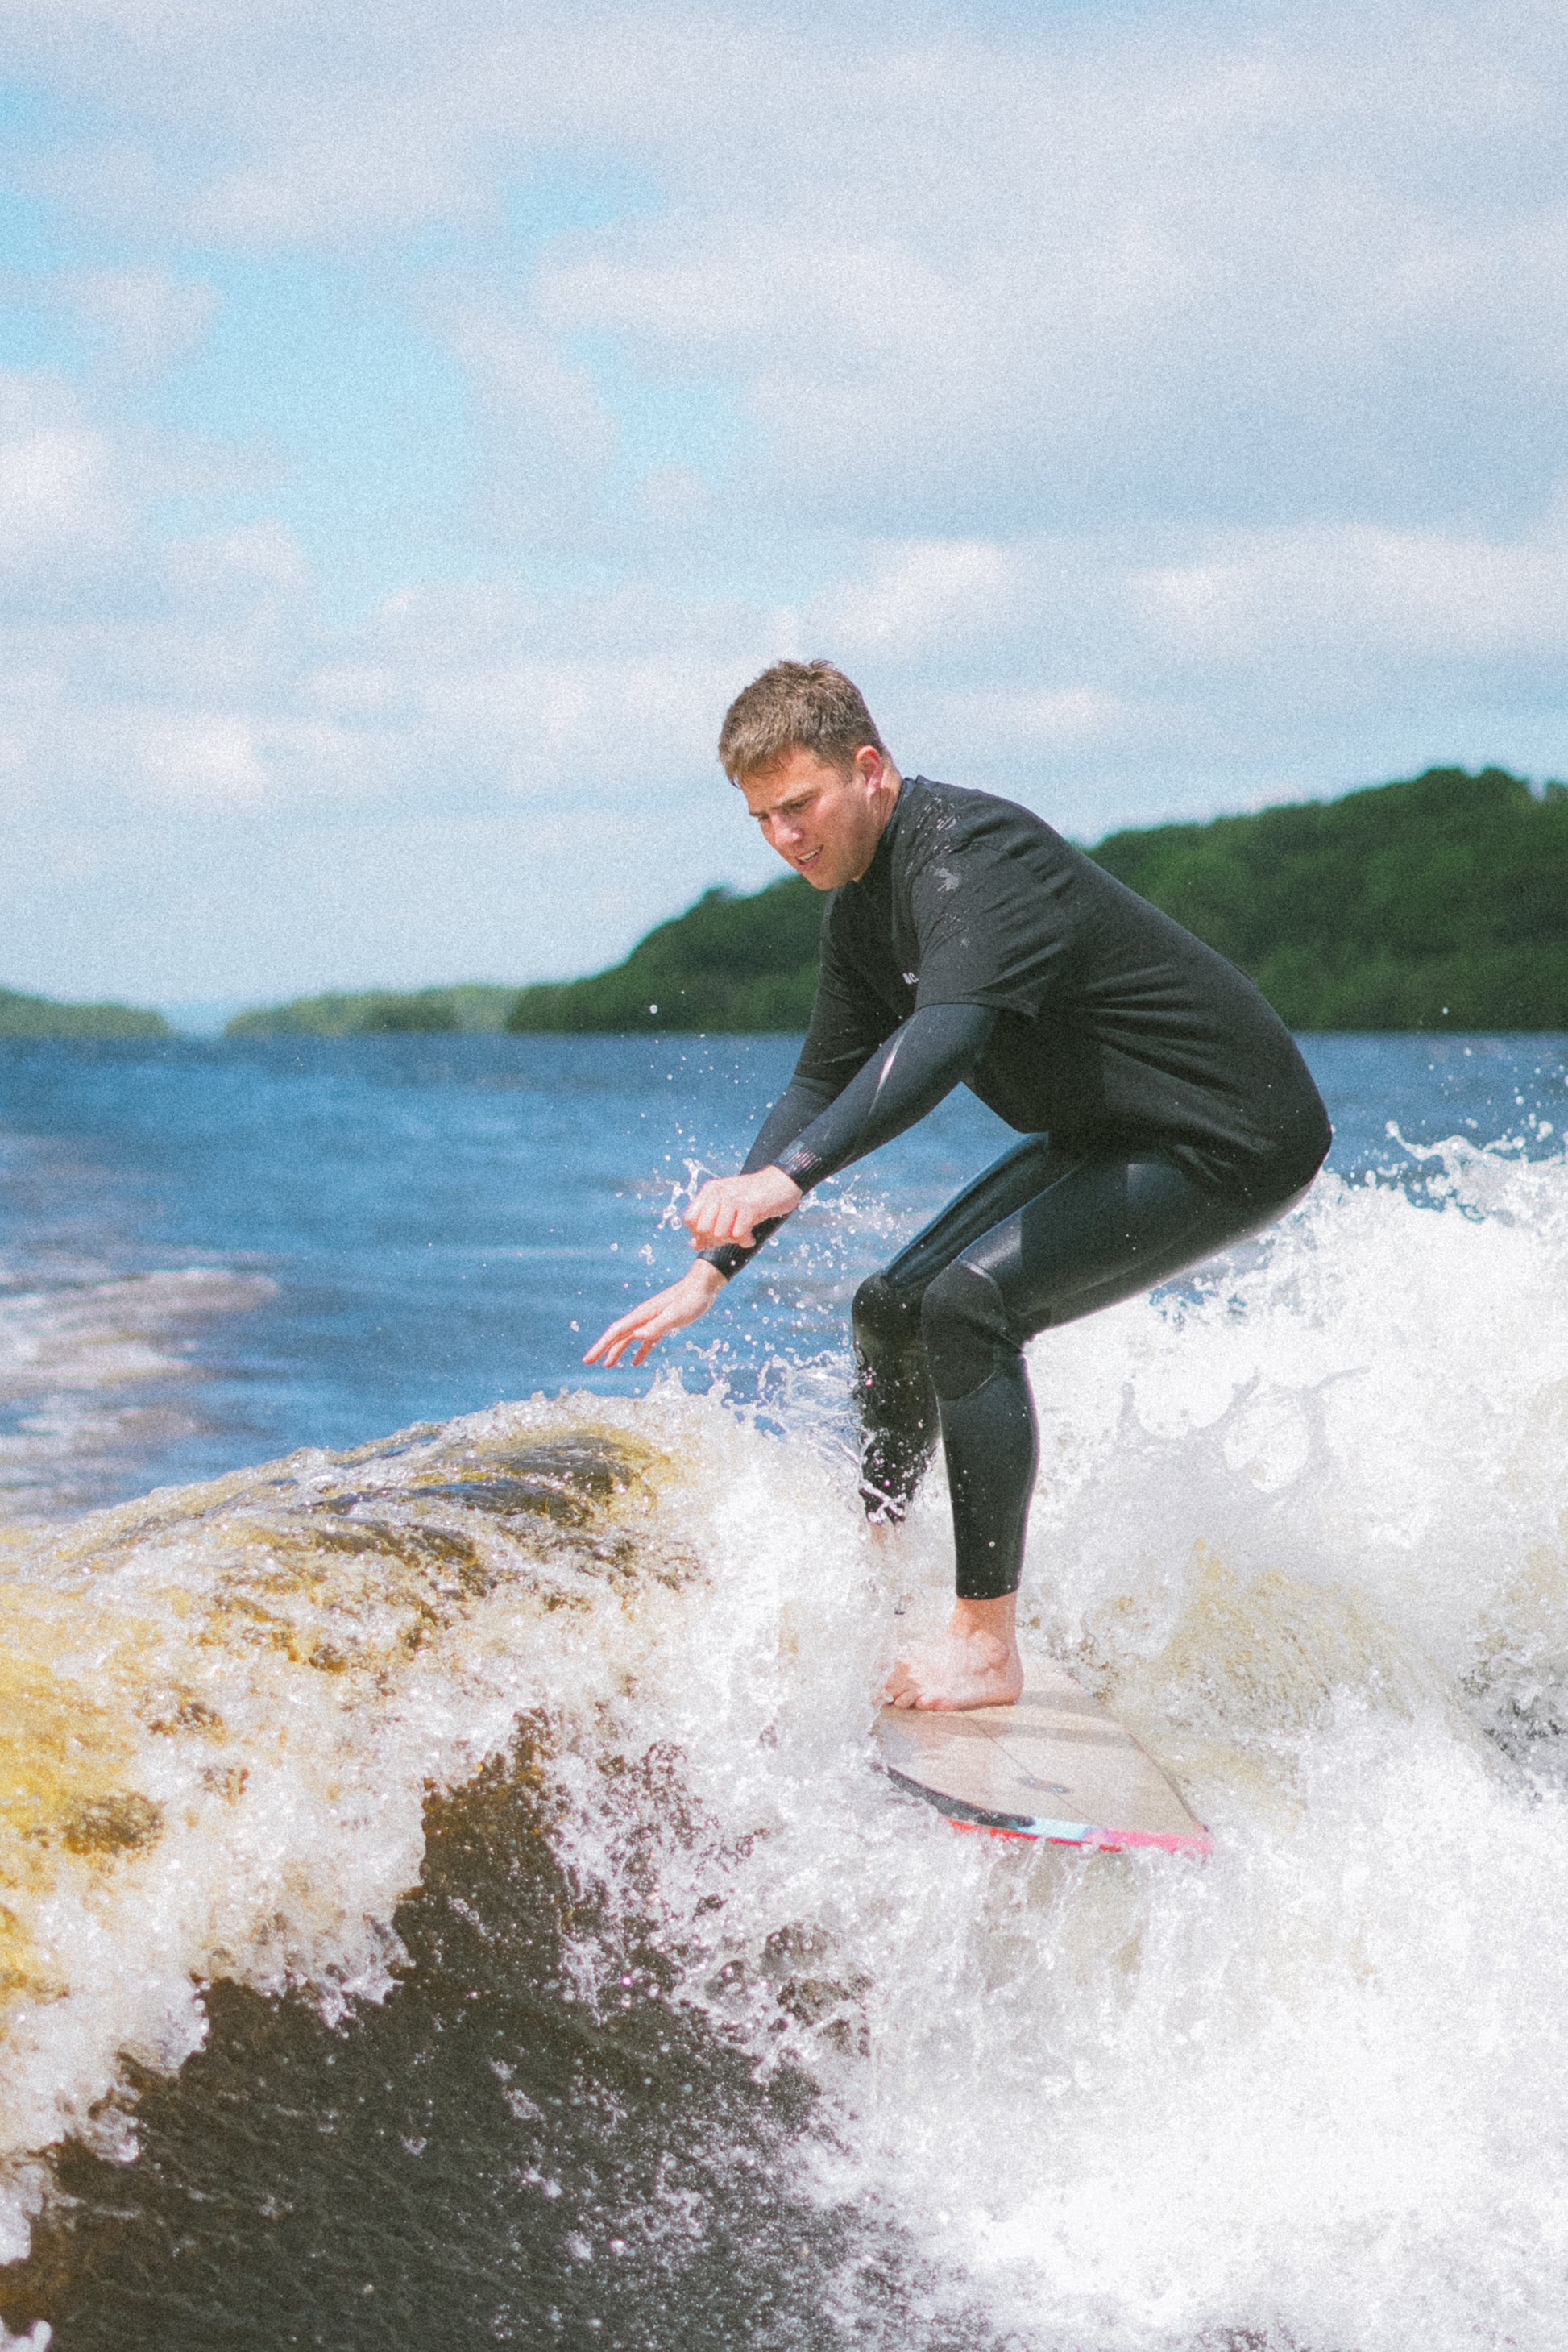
pixel 42 1016
pixel 1439 903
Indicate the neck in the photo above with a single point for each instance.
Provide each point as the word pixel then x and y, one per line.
pixel 888 791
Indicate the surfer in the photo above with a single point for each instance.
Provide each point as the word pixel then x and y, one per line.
pixel 1164 1110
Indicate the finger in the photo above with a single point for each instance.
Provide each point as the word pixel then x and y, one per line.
pixel 713 1239
pixel 613 1344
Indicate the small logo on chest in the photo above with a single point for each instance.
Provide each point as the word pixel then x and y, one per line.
pixel 911 980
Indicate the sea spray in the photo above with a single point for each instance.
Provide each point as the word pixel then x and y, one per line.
pixel 1303 1523
pixel 1299 1521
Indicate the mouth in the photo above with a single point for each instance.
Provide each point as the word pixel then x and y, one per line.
pixel 804 865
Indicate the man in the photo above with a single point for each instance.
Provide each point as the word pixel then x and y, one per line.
pixel 1164 1109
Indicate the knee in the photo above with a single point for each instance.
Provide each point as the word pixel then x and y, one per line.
pixel 966 1332
pixel 885 1319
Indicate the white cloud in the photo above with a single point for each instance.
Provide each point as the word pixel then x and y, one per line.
pixel 195 759
pixel 1038 726
pixel 1354 589
pixel 357 689
pixel 56 493
pixel 922 597
pixel 147 317
pixel 1153 407
pixel 364 175
pixel 551 444
pixel 258 564
pixel 965 276
pixel 1206 269
pixel 599 701
pixel 60 495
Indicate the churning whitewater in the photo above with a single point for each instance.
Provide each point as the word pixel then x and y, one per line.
pixel 1301 1523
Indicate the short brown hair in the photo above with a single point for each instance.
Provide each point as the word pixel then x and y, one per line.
pixel 809 705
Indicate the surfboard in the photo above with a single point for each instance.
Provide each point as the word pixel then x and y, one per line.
pixel 1055 1766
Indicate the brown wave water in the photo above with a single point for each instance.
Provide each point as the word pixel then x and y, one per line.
pixel 481 2157
pixel 480 2113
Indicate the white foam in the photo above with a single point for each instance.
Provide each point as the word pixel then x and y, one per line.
pixel 1308 1533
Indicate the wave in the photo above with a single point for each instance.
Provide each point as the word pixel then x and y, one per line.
pixel 94 1369
pixel 603 1673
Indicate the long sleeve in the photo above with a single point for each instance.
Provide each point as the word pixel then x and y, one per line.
pixel 847 1027
pixel 920 1064
pixel 815 1130
pixel 794 1112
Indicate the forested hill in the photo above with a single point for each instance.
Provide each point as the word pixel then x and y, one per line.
pixel 1438 903
pixel 381 1012
pixel 41 1016
pixel 1441 902
pixel 728 964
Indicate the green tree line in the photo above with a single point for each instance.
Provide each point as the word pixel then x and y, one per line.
pixel 471 1005
pixel 1438 902
pixel 41 1016
pixel 1441 902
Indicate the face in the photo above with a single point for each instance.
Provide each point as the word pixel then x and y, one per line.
pixel 826 824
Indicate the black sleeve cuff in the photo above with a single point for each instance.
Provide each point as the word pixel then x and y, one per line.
pixel 728 1256
pixel 801 1165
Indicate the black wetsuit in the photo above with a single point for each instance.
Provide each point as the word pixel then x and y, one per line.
pixel 1165 1109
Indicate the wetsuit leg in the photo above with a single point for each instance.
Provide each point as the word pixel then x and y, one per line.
pixel 898 1404
pixel 1092 1228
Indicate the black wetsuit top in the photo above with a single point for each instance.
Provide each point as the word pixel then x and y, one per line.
pixel 981 947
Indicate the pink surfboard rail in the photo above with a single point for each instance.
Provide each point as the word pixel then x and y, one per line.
pixel 987 1768
pixel 1093 1840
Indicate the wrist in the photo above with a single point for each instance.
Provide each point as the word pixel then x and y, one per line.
pixel 798 1168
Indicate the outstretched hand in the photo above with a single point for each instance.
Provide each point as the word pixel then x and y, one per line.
pixel 727 1209
pixel 667 1311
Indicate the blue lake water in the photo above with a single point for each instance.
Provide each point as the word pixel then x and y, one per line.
pixel 379 1231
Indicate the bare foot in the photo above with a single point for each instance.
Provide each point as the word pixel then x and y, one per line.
pixel 974 1663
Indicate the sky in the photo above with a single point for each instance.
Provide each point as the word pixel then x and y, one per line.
pixel 416 424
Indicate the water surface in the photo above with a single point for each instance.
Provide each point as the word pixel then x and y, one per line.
pixel 443 1898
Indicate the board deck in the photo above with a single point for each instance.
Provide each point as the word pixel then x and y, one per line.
pixel 1055 1766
